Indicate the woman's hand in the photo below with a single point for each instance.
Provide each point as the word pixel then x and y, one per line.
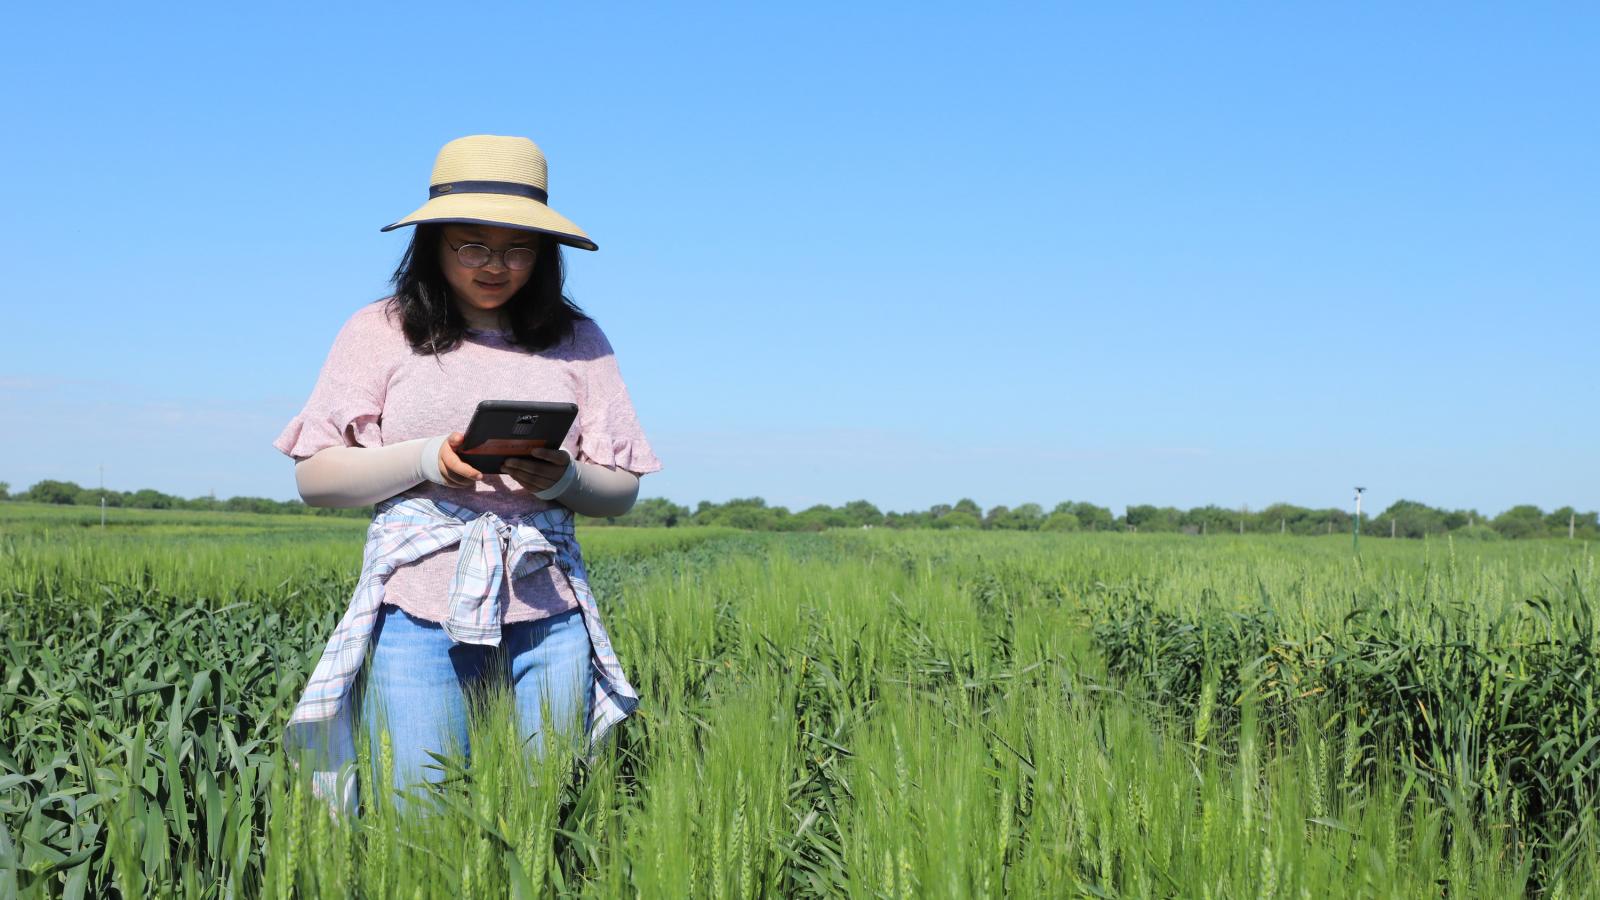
pixel 455 471
pixel 544 469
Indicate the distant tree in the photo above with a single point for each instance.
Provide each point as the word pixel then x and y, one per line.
pixel 1027 517
pixel 1061 521
pixel 740 512
pixel 48 491
pixel 91 497
pixel 1024 518
pixel 1584 525
pixel 820 516
pixel 749 517
pixel 1520 522
pixel 1145 517
pixel 1286 517
pixel 1210 519
pixel 1089 516
pixel 208 502
pixel 860 512
pixel 146 498
pixel 1556 521
pixel 655 511
pixel 908 520
pixel 779 518
pixel 251 504
pixel 1139 516
pixel 749 513
pixel 958 518
pixel 1410 519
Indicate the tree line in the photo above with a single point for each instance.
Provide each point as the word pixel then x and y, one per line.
pixel 1403 519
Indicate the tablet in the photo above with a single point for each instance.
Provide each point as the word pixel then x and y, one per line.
pixel 501 429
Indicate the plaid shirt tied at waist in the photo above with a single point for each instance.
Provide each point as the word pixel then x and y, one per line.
pixel 404 530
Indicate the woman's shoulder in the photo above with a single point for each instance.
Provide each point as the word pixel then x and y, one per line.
pixel 588 339
pixel 376 323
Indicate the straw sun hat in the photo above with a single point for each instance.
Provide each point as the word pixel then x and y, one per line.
pixel 489 179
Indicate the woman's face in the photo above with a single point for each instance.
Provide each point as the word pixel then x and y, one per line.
pixel 489 286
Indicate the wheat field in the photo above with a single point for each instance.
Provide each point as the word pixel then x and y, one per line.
pixel 853 713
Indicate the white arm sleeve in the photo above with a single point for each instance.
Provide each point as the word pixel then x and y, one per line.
pixel 595 490
pixel 358 476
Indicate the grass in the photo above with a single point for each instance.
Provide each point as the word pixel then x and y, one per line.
pixel 852 713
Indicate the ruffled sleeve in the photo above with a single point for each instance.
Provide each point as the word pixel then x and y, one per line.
pixel 609 432
pixel 346 404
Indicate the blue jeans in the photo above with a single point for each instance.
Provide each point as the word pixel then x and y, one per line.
pixel 425 681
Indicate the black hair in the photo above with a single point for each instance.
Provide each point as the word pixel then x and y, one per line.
pixel 541 313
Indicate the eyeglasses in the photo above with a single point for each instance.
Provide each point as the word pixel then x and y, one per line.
pixel 475 256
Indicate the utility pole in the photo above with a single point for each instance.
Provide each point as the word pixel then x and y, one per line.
pixel 1391 528
pixel 1358 519
pixel 102 496
pixel 1572 525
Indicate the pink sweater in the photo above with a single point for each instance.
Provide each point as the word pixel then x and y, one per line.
pixel 373 390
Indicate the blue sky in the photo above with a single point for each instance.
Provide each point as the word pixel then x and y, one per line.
pixel 907 253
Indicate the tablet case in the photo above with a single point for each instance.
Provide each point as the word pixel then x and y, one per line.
pixel 501 429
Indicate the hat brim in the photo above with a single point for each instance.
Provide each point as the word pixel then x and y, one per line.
pixel 506 210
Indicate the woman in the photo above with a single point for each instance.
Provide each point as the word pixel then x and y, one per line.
pixel 466 576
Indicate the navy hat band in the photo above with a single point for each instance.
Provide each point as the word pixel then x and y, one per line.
pixel 489 187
